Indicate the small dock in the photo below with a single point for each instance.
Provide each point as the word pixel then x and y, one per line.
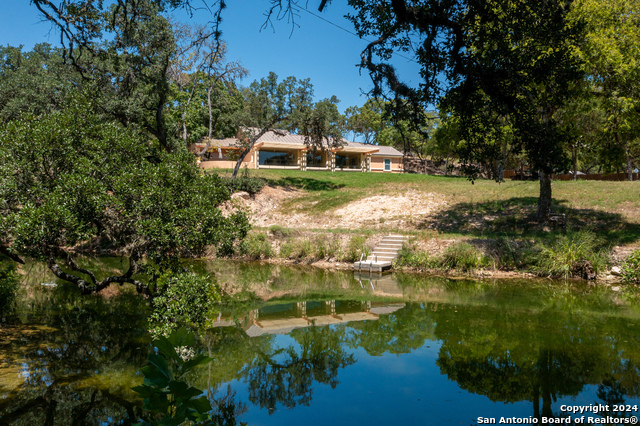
pixel 383 255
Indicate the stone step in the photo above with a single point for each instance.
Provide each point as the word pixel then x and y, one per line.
pixel 386 250
pixel 390 241
pixel 380 259
pixel 390 245
pixel 383 254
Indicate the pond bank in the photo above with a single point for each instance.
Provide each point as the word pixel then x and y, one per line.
pixel 575 255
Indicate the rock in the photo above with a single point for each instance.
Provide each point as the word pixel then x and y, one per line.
pixel 616 271
pixel 241 194
pixel 584 269
pixel 615 288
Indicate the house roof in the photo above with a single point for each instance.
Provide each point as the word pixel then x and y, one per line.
pixel 387 151
pixel 285 140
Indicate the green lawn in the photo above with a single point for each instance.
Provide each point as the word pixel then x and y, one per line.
pixel 484 208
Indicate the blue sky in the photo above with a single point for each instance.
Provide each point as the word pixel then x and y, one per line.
pixel 316 49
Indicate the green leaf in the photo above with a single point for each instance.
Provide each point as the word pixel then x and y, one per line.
pixel 144 391
pixel 194 362
pixel 182 337
pixel 201 405
pixel 161 364
pixel 167 349
pixel 153 376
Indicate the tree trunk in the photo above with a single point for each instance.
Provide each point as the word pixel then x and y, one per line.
pixel 544 201
pixel 629 167
pixel 446 163
pixel 574 158
pixel 241 158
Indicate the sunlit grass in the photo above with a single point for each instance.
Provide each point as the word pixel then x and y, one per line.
pixel 480 209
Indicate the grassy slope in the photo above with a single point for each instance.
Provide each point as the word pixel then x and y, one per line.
pixel 485 208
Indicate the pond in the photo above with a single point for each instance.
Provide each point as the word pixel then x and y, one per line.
pixel 332 347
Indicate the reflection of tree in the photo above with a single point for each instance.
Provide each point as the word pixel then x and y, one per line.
pixel 401 332
pixel 537 356
pixel 78 369
pixel 285 376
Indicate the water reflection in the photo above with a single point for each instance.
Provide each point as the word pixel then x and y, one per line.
pixel 509 343
pixel 71 360
pixel 334 348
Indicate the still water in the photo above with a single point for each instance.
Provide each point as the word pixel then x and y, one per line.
pixel 331 347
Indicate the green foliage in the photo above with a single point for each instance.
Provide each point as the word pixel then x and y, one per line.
pixel 631 268
pixel 298 249
pixel 411 257
pixel 167 398
pixel 8 285
pixel 508 253
pixel 256 246
pixel 462 256
pixel 184 299
pixel 354 249
pixel 562 257
pixel 367 120
pixel 252 185
pixel 280 232
pixel 70 178
pixel 34 82
pixel 320 248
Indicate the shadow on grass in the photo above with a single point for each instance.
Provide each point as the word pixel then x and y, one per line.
pixel 308 184
pixel 516 217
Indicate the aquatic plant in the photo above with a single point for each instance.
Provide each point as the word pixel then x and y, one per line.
pixel 167 398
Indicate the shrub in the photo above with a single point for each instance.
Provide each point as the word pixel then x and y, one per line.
pixel 256 246
pixel 462 256
pixel 167 397
pixel 252 185
pixel 185 299
pixel 320 250
pixel 410 256
pixel 577 254
pixel 298 249
pixel 279 232
pixel 512 254
pixel 335 249
pixel 631 268
pixel 355 248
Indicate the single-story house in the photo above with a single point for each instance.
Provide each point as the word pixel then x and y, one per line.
pixel 283 150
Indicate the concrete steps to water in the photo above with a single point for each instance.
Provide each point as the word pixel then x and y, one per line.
pixel 383 254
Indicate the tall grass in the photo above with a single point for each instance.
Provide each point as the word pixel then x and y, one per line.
pixel 563 257
pixel 509 253
pixel 461 256
pixel 256 246
pixel 411 257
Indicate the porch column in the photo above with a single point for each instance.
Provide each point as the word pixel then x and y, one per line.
pixel 304 159
pixel 330 307
pixel 300 309
pixel 256 163
pixel 332 158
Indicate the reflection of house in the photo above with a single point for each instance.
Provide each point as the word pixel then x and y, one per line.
pixel 283 318
pixel 288 151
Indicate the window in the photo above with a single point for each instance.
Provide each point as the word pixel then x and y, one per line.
pixel 347 162
pixel 387 164
pixel 276 158
pixel 315 159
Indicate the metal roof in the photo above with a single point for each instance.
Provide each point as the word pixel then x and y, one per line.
pixel 283 139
